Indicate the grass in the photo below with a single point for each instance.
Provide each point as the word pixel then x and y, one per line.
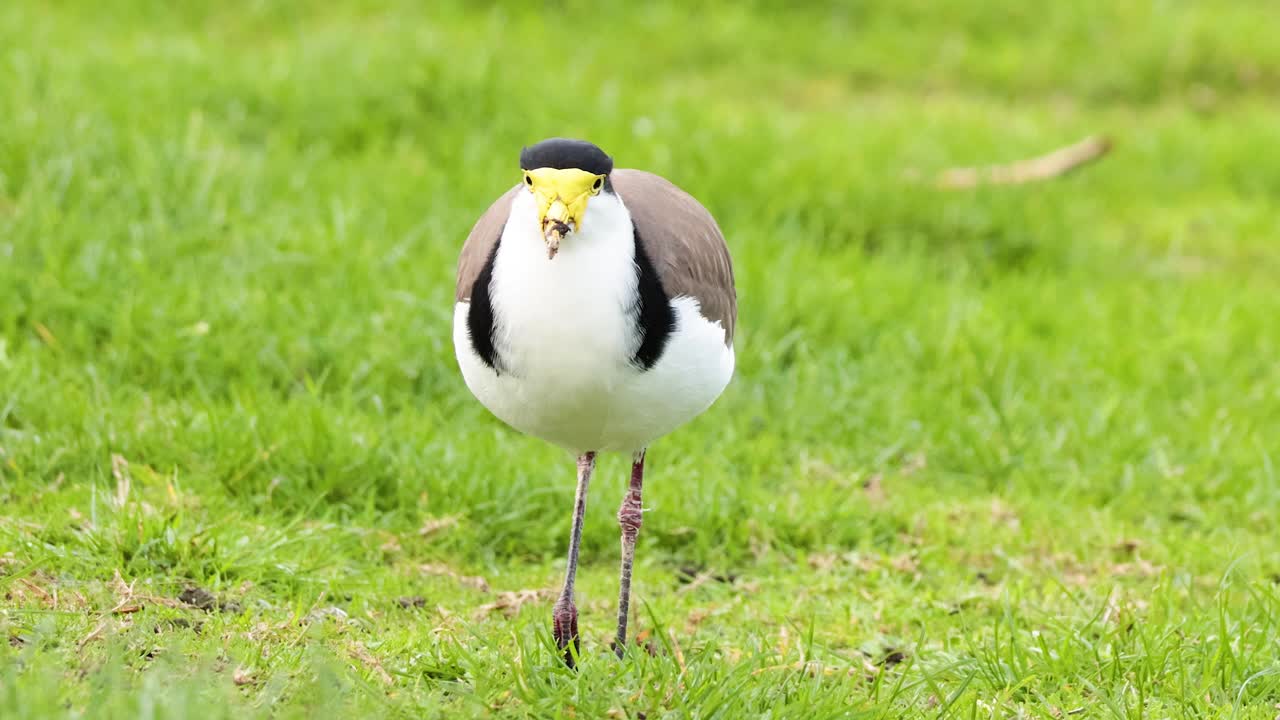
pixel 1008 452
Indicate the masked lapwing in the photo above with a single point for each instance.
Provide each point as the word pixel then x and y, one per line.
pixel 595 310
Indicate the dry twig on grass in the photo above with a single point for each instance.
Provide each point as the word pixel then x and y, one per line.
pixel 367 659
pixel 1043 167
pixel 94 634
pixel 509 603
pixel 472 581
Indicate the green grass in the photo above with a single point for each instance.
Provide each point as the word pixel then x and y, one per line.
pixel 1008 452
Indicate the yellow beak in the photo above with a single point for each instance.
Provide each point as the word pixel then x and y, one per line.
pixel 562 196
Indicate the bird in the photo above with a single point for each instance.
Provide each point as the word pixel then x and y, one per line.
pixel 595 309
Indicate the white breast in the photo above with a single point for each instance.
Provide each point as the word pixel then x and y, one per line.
pixel 565 337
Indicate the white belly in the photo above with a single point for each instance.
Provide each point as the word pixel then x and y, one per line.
pixel 565 340
pixel 598 401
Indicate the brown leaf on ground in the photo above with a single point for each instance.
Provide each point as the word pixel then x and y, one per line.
pixel 915 463
pixel 319 614
pixel 391 546
pixel 471 581
pixel 692 573
pixel 862 561
pixel 262 631
pixel 1002 514
pixel 821 468
pixel 679 652
pixel 784 641
pixel 242 677
pixel 431 526
pixel 178 624
pixel 694 619
pixel 511 602
pixel 1139 568
pixel 873 487
pixel 824 562
pixel 26 587
pixel 827 561
pixel 124 595
pixel 120 470
pixel 697 582
pixel 1124 609
pixel 362 654
pixel 119 586
pixel 416 601
pixel 910 540
pixel 501 701
pixel 813 668
pixel 157 600
pixel 1078 574
pixel 449 623
pixel 94 634
pixel 1127 546
pixel 643 639
pixel 129 601
pixel 906 563
pixel 1076 579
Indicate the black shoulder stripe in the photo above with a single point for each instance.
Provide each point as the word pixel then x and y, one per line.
pixel 480 321
pixel 654 316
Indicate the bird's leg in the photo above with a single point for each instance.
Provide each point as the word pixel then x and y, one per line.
pixel 629 518
pixel 564 616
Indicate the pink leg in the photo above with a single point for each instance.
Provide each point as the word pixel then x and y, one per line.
pixel 564 615
pixel 629 518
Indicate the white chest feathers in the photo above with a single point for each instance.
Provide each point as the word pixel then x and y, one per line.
pixel 565 333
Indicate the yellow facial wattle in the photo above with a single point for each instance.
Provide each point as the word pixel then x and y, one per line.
pixel 562 196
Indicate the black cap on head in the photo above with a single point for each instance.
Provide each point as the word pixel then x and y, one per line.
pixel 562 153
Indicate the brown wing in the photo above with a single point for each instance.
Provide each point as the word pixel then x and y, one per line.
pixel 683 241
pixel 484 236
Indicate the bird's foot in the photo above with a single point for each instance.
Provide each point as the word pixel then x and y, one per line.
pixel 564 626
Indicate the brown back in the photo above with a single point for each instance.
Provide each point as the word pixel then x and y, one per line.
pixel 682 239
pixel 479 244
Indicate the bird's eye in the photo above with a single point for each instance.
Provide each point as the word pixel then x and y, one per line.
pixel 595 186
pixel 528 179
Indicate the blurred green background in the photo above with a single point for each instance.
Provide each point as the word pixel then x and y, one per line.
pixel 1007 451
